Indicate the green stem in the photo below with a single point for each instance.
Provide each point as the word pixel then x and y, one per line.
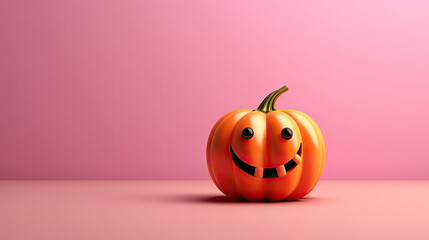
pixel 268 104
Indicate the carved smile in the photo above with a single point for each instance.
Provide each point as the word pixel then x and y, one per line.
pixel 260 172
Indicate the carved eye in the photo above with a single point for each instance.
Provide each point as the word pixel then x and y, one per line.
pixel 287 133
pixel 247 133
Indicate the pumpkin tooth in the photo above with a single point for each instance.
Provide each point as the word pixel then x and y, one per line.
pixel 297 159
pixel 281 170
pixel 259 172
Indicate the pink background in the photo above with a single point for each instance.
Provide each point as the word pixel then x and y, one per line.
pixel 130 89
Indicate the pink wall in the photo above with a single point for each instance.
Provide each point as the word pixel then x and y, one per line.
pixel 130 89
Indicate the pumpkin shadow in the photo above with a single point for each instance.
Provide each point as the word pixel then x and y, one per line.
pixel 222 199
pixel 216 199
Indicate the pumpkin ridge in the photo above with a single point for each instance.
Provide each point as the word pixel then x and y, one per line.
pixel 210 141
pixel 221 124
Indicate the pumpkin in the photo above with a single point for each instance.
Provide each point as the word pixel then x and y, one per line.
pixel 266 154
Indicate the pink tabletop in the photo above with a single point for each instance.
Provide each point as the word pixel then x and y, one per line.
pixel 197 210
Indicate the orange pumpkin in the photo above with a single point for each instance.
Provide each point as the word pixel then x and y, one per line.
pixel 266 154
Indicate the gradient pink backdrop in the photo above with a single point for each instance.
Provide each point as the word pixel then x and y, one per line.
pixel 130 89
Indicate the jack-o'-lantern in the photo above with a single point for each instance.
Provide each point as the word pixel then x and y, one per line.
pixel 266 154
